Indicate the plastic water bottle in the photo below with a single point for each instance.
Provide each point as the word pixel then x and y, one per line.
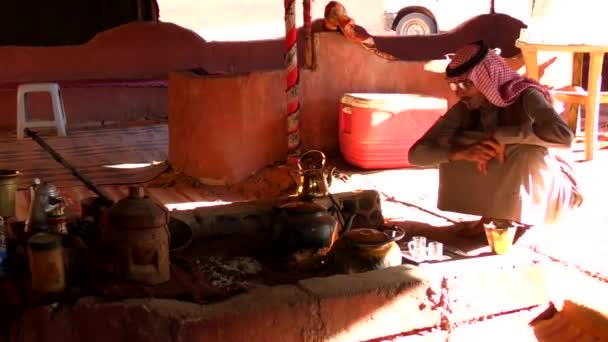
pixel 2 246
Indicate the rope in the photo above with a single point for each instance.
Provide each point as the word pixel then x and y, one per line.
pixel 293 78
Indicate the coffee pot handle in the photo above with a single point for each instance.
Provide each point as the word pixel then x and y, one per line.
pixel 323 159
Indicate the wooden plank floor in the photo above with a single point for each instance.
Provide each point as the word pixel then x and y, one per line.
pixel 90 151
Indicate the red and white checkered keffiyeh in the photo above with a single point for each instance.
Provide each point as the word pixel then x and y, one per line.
pixel 500 84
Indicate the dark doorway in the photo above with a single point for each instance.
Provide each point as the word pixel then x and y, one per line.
pixel 67 22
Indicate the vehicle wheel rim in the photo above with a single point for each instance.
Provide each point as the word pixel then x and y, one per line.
pixel 416 29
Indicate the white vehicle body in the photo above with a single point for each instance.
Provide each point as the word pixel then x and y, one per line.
pixel 432 16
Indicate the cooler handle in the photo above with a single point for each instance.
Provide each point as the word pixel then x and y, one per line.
pixel 345 119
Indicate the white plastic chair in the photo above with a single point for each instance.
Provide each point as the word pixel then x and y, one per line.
pixel 53 89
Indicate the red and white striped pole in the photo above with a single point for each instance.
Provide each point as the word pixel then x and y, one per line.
pixel 293 80
pixel 307 33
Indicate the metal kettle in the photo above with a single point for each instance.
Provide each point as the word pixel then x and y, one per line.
pixel 301 225
pixel 44 198
pixel 315 176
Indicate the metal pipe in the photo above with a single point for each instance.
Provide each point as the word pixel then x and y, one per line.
pixel 102 195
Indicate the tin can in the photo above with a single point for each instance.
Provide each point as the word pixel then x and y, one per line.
pixel 46 261
pixel 8 192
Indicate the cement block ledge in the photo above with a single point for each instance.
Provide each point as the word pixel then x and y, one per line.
pixel 345 308
pixel 351 307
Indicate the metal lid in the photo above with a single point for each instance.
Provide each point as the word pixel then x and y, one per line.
pixel 137 211
pixel 366 236
pixel 44 242
pixel 302 207
pixel 370 237
pixel 8 173
pixel 46 188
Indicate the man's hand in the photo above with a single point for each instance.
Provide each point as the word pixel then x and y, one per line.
pixel 480 153
pixel 498 148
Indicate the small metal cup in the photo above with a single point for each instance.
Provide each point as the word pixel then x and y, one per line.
pixel 500 236
pixel 8 191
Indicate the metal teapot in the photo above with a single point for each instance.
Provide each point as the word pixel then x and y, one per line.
pixel 44 200
pixel 315 177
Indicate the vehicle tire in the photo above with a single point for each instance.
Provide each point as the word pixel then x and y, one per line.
pixel 416 24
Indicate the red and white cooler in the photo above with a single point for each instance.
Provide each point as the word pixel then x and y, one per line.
pixel 377 130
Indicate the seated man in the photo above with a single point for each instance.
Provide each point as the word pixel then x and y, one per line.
pixel 492 146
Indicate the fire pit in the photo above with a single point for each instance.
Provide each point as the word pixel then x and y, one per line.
pixel 264 298
pixel 238 247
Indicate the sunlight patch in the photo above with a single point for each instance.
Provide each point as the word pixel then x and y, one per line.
pixel 132 165
pixel 194 205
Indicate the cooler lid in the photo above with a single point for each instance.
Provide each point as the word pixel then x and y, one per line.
pixel 393 100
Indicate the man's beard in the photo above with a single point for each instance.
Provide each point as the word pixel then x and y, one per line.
pixel 468 102
pixel 474 103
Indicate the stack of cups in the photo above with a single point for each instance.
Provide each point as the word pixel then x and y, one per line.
pixel 420 251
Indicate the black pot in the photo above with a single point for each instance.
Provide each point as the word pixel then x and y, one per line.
pixel 365 249
pixel 302 226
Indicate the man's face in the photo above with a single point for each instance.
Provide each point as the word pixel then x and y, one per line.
pixel 469 94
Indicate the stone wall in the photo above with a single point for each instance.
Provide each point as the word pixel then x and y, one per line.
pixel 223 128
pixel 141 50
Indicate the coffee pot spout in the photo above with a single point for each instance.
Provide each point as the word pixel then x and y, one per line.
pixel 52 204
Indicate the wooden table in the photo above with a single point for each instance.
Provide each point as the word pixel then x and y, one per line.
pixel 591 98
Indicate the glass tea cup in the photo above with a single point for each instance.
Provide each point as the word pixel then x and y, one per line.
pixel 500 235
pixel 417 247
pixel 434 250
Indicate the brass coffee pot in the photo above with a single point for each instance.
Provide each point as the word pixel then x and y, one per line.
pixel 45 199
pixel 315 176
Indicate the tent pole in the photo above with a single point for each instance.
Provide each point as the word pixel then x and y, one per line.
pixel 293 78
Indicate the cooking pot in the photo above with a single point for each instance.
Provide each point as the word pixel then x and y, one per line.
pixel 365 249
pixel 301 225
pixel 137 232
